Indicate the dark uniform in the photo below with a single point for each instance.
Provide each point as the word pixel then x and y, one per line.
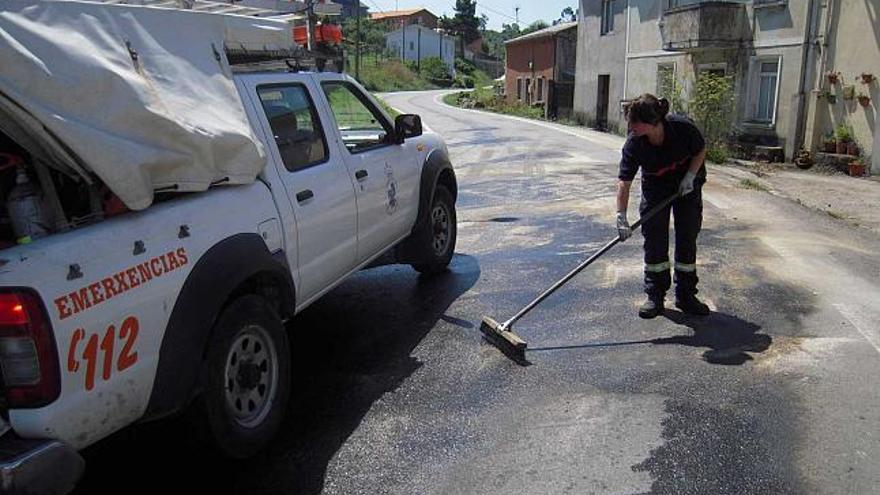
pixel 663 168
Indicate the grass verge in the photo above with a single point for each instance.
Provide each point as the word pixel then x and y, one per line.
pixel 486 99
pixel 752 184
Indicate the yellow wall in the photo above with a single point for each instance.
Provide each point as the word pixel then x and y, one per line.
pixel 853 48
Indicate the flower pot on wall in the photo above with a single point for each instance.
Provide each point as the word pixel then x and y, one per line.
pixel 864 100
pixel 867 78
pixel 856 168
pixel 830 147
pixel 840 148
pixel 852 149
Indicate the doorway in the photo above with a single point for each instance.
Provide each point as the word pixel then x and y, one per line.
pixel 602 101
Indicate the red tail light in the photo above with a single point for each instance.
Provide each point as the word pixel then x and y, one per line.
pixel 28 358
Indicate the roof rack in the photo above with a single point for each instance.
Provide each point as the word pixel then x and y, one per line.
pixel 265 9
pixel 297 60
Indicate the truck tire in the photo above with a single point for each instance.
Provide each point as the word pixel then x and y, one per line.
pixel 437 240
pixel 246 382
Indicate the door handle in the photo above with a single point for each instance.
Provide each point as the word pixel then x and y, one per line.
pixel 304 195
pixel 361 174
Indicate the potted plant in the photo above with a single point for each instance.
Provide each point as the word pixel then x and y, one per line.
pixel 830 143
pixel 867 78
pixel 803 159
pixel 864 100
pixel 843 135
pixel 857 168
pixel 833 77
pixel 852 148
pixel 828 95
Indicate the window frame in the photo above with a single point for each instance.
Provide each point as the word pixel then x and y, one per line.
pixel 373 109
pixel 519 89
pixel 755 79
pixel 539 89
pixel 316 120
pixel 607 17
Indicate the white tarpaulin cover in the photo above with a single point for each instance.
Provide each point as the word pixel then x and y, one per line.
pixel 137 94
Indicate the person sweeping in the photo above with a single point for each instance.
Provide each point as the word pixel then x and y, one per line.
pixel 670 151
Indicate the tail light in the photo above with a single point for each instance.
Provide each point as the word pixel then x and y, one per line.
pixel 28 358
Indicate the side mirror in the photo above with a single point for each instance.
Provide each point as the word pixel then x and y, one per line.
pixel 407 126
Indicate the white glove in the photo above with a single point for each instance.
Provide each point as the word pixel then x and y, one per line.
pixel 687 184
pixel 624 231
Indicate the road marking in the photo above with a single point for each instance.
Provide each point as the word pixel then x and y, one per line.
pixel 858 319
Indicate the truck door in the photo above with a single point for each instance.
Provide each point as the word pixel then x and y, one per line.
pixel 317 184
pixel 385 173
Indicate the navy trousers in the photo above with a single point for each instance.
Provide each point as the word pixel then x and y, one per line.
pixel 688 214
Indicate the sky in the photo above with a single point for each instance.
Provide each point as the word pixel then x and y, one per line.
pixel 498 11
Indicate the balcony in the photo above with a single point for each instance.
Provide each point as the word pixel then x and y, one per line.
pixel 705 25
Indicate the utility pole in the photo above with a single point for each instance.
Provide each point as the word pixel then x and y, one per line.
pixel 357 44
pixel 310 25
pixel 516 9
pixel 419 56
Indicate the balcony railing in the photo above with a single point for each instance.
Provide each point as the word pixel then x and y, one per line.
pixel 705 25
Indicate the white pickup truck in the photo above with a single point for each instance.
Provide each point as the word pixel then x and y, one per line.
pixel 133 314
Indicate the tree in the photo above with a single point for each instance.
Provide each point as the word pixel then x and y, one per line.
pixel 465 24
pixel 535 26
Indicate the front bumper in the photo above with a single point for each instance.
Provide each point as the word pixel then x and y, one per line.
pixel 38 466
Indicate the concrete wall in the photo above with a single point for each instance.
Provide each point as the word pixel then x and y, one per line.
pixel 433 44
pixel 600 54
pixel 853 48
pixel 768 32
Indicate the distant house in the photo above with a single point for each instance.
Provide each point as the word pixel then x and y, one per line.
pixel 422 17
pixel 541 68
pixel 416 43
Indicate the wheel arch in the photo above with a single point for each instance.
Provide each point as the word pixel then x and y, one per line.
pixel 240 264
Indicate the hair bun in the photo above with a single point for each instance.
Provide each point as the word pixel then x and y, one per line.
pixel 664 106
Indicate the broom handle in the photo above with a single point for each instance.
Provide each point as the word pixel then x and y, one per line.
pixel 653 211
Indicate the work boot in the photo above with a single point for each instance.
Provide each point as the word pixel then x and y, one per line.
pixel 651 308
pixel 691 305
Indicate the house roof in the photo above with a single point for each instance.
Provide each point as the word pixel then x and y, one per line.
pixel 550 31
pixel 378 16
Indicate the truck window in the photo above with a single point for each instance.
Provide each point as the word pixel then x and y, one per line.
pixel 295 125
pixel 361 124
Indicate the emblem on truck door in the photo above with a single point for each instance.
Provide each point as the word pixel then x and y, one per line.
pixel 390 189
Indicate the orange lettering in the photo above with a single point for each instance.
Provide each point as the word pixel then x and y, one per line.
pixel 181 253
pixel 153 266
pixel 81 300
pixel 144 272
pixel 109 290
pixel 172 261
pixel 120 281
pixel 133 277
pixel 164 263
pixel 94 290
pixel 63 309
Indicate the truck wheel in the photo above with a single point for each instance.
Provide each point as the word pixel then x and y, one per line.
pixel 438 239
pixel 247 380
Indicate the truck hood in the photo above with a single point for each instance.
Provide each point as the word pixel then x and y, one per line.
pixel 141 97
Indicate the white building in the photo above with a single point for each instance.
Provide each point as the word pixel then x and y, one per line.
pixel 418 43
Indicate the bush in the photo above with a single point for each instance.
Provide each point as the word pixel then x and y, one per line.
pixel 434 68
pixel 465 67
pixel 712 106
pixel 717 154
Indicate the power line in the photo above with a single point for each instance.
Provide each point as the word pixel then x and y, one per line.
pixel 481 6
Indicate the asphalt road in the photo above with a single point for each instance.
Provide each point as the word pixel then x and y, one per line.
pixel 775 392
